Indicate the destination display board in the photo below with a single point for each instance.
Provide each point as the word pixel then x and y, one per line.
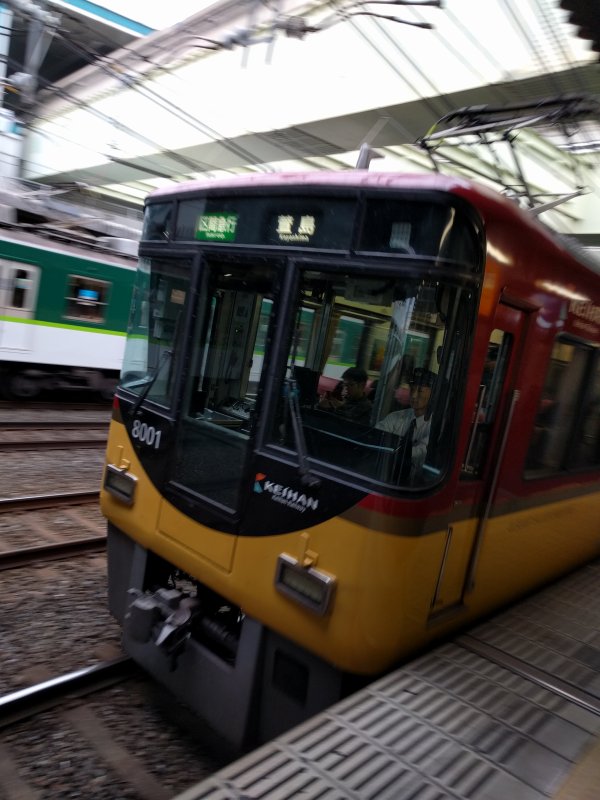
pixel 414 226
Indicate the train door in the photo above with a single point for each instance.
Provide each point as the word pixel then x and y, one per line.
pixel 18 295
pixel 483 461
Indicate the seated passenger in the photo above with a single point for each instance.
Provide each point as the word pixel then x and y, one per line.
pixel 413 422
pixel 353 403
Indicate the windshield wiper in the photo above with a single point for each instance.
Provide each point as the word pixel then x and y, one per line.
pixel 166 356
pixel 306 476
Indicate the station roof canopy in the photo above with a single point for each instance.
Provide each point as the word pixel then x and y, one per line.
pixel 585 16
pixel 246 87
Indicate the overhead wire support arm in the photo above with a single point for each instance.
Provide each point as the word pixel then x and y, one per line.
pixel 490 126
pixel 519 167
pixel 486 119
pixel 424 25
pixel 430 151
pixel 297 27
pixel 496 161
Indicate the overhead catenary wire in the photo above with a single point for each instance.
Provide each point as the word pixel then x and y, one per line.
pixel 189 164
pixel 483 170
pixel 132 79
pixel 105 64
pixel 168 105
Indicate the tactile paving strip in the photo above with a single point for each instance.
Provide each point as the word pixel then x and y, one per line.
pixel 555 632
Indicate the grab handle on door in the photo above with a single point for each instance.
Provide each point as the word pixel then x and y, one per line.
pixel 478 541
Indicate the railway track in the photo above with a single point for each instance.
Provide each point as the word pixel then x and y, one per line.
pixel 51 425
pixel 72 736
pixel 21 405
pixel 49 549
pixel 37 501
pixel 26 556
pixel 96 732
pixel 44 434
pixel 11 445
pixel 70 697
pixel 33 700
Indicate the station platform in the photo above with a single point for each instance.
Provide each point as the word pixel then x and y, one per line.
pixel 509 711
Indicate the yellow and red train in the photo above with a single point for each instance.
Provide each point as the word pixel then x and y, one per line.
pixel 266 554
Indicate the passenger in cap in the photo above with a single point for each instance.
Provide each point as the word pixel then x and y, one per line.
pixel 414 422
pixel 353 402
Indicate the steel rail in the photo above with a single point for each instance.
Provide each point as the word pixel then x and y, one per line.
pixel 25 556
pixel 24 703
pixel 33 405
pixel 50 444
pixel 47 501
pixel 53 424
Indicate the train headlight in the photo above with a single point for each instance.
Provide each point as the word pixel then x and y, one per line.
pixel 307 585
pixel 120 483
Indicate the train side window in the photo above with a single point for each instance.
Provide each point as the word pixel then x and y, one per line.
pixel 157 222
pixel 554 425
pixel 156 325
pixel 587 441
pixel 20 289
pixel 86 299
pixel 488 401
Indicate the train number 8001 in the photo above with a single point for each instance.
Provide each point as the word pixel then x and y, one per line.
pixel 147 434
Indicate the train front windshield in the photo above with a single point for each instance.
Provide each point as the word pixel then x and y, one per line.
pixel 347 369
pixel 406 333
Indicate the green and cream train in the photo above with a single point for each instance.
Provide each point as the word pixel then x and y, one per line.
pixel 63 313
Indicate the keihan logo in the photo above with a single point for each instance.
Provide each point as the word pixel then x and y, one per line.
pixel 284 494
pixel 260 476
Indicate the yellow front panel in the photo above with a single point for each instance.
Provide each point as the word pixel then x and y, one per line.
pixel 384 589
pixel 390 587
pixel 218 548
pixel 139 520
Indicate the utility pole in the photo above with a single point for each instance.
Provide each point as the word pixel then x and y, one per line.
pixel 42 25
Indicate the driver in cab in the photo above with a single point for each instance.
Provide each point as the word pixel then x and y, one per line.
pixel 414 422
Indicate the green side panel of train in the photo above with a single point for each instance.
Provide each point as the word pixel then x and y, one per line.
pixel 61 275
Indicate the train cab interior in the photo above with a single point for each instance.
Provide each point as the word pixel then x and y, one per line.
pixel 258 366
